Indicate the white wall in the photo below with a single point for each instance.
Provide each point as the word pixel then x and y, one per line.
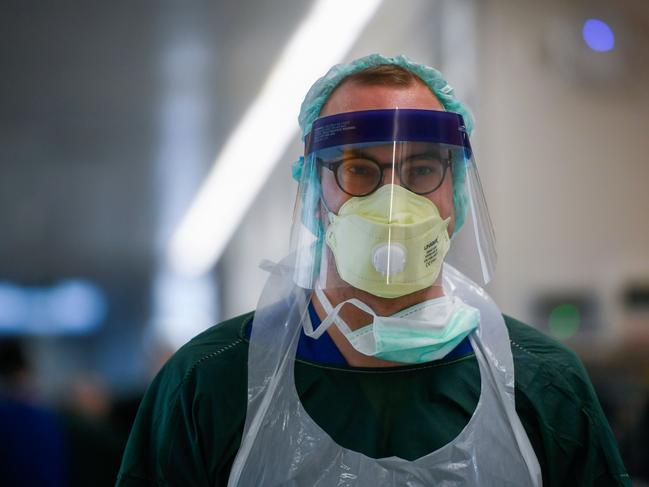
pixel 565 162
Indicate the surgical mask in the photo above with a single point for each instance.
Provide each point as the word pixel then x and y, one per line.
pixel 390 243
pixel 421 333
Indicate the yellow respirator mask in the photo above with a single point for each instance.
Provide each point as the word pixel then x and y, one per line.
pixel 390 243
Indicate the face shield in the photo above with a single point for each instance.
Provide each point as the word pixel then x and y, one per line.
pixel 385 198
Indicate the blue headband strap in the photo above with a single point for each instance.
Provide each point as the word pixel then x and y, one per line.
pixel 397 125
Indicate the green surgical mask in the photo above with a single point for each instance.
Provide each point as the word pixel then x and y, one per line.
pixel 424 332
pixel 390 243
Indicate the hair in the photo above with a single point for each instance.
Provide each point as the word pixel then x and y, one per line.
pixel 384 75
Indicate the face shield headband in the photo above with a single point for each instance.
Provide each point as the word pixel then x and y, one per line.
pixel 398 125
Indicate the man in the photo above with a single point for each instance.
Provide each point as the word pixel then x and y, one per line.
pixel 368 361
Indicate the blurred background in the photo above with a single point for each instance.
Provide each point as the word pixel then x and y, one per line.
pixel 134 214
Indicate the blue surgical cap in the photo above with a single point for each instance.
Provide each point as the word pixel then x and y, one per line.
pixel 323 87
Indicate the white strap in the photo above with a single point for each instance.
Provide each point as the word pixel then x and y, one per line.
pixel 332 315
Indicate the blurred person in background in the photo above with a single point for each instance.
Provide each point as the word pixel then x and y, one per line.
pixel 32 441
pixel 372 359
pixel 71 443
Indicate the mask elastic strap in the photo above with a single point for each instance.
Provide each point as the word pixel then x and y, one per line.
pixel 326 206
pixel 332 315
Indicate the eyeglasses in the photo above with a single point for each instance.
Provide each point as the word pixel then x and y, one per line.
pixel 360 175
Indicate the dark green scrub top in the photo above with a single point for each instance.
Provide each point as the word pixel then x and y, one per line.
pixel 189 425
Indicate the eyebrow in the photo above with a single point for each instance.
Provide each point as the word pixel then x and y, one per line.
pixel 357 153
pixel 364 155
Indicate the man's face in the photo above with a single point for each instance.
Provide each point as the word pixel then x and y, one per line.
pixel 351 97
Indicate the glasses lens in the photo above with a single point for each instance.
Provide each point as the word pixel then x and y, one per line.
pixel 422 173
pixel 358 176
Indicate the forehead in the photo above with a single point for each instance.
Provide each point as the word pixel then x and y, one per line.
pixel 351 96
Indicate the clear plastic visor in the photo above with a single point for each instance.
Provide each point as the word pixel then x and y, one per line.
pixel 380 213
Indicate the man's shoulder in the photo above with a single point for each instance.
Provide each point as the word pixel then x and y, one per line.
pixel 220 350
pixel 176 419
pixel 550 375
pixel 528 341
pixel 559 408
pixel 537 355
pixel 216 340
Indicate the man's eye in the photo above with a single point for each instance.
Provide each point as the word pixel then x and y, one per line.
pixel 359 167
pixel 358 170
pixel 421 170
pixel 424 169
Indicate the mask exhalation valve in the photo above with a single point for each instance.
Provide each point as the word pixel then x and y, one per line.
pixel 389 259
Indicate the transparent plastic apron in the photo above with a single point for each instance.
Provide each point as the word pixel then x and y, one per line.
pixel 283 446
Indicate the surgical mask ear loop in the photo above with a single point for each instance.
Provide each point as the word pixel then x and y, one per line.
pixel 332 315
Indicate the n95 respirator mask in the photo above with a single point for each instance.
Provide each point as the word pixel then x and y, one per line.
pixel 390 243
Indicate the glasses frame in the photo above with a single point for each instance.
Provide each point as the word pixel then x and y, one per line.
pixel 334 165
